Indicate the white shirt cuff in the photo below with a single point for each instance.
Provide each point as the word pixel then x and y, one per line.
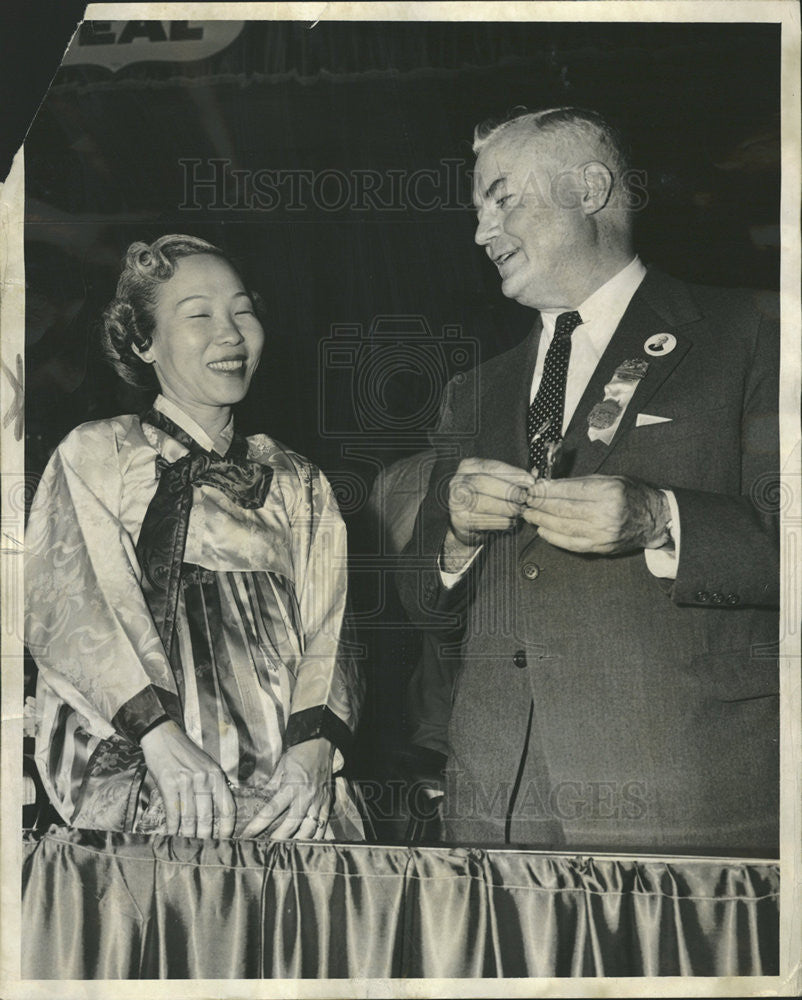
pixel 664 562
pixel 450 580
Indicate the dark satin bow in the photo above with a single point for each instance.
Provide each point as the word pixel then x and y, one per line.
pixel 163 536
pixel 246 483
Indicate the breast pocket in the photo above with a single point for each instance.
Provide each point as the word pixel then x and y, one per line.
pixel 685 423
pixel 699 450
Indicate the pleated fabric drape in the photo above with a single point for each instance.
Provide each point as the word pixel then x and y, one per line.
pixel 100 905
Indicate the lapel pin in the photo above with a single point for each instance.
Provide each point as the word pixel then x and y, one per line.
pixel 660 344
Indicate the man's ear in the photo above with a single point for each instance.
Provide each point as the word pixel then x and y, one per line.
pixel 597 186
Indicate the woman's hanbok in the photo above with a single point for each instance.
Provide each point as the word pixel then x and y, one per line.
pixel 171 575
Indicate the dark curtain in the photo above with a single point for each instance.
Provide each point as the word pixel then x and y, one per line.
pixel 370 126
pixel 117 906
pixel 385 276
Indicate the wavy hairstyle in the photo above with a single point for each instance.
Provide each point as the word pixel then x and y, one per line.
pixel 129 319
pixel 582 124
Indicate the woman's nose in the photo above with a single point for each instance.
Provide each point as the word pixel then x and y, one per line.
pixel 228 332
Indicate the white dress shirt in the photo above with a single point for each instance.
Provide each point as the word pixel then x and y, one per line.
pixel 601 313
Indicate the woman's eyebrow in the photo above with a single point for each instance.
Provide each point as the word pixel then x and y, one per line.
pixel 189 298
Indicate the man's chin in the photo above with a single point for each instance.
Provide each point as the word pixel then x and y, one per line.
pixel 515 289
pixel 510 288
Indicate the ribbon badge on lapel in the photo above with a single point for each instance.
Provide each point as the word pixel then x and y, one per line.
pixel 604 418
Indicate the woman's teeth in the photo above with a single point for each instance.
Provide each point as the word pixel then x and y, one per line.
pixel 226 366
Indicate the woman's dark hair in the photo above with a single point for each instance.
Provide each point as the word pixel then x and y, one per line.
pixel 129 320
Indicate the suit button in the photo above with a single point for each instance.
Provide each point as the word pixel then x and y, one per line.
pixel 718 598
pixel 519 659
pixel 703 597
pixel 531 571
pixel 733 599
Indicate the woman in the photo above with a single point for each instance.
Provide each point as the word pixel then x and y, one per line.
pixel 186 587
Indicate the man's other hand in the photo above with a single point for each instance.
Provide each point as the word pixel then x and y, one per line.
pixel 600 514
pixel 484 496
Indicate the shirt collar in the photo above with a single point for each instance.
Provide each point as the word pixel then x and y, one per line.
pixel 220 444
pixel 602 310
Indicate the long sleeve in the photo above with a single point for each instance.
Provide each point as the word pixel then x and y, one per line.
pixel 87 624
pixel 730 544
pixel 426 599
pixel 329 687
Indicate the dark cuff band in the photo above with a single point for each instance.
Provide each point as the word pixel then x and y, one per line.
pixel 316 722
pixel 144 711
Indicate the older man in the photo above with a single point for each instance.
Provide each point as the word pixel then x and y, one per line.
pixel 607 537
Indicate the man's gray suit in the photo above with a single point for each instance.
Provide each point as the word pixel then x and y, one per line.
pixel 655 702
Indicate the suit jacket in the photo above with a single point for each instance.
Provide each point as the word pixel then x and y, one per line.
pixel 598 707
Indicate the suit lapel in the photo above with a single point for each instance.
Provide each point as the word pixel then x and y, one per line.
pixel 660 305
pixel 504 394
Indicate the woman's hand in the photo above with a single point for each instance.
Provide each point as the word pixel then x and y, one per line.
pixel 196 796
pixel 301 794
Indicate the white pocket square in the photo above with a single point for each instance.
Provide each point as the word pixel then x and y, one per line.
pixel 644 419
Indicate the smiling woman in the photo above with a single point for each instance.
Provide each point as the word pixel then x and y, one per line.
pixel 207 340
pixel 186 587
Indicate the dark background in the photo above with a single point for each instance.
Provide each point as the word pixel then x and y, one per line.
pixel 700 104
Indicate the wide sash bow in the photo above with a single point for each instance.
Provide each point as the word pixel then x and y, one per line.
pixel 163 536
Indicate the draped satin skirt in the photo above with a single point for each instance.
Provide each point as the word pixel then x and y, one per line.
pixel 237 650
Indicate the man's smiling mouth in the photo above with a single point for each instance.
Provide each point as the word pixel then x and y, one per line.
pixel 504 257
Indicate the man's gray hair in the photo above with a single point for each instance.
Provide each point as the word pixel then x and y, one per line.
pixel 581 124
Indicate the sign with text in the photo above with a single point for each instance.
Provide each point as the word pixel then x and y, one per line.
pixel 115 44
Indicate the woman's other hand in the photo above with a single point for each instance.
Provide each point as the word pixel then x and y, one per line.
pixel 301 794
pixel 196 796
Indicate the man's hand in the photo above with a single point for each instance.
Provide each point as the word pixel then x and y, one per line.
pixel 196 796
pixel 484 496
pixel 301 793
pixel 601 514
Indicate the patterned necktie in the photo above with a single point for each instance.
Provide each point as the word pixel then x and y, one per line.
pixel 163 536
pixel 544 422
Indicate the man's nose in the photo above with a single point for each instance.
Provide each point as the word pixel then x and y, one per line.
pixel 486 227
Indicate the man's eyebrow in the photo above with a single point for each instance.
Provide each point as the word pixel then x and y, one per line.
pixel 493 189
pixel 479 197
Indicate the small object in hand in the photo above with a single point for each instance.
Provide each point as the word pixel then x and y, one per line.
pixel 553 452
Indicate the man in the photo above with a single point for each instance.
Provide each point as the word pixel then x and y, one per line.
pixel 606 540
